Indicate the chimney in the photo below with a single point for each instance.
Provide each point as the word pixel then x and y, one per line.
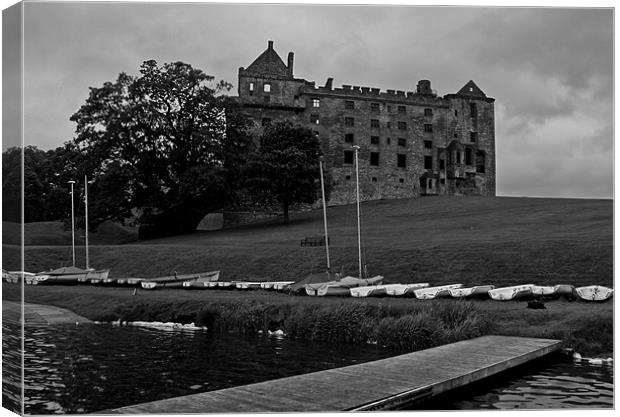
pixel 291 56
pixel 329 83
pixel 270 45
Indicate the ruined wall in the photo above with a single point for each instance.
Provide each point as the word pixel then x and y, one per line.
pixel 434 133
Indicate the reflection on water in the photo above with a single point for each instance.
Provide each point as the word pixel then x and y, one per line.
pixel 87 368
pixel 551 384
pixel 11 367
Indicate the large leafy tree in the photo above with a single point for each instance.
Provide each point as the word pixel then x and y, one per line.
pixel 45 176
pixel 160 147
pixel 285 168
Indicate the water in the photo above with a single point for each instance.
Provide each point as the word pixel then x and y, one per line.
pixel 555 383
pixel 90 368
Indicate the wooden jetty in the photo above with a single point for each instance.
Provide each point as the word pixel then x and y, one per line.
pixel 39 314
pixel 380 385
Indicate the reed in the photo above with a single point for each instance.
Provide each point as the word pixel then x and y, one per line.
pixel 406 328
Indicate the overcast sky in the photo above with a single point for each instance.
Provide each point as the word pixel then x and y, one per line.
pixel 549 69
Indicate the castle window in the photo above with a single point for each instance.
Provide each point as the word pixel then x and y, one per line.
pixel 428 162
pixel 348 138
pixel 402 125
pixel 251 89
pixel 314 118
pixel 401 180
pixel 374 140
pixel 389 125
pixel 456 134
pixel 349 121
pixel 349 104
pixel 374 179
pixel 389 140
pixel 402 142
pixel 456 113
pixel 428 144
pixel 473 136
pixel 442 181
pixel 468 156
pixel 374 158
pixel 316 102
pixel 348 177
pixel 480 162
pixel 348 157
pixel 401 160
pixel 267 88
pixel 442 164
pixel 374 107
pixel 458 157
pixel 428 112
pixel 402 109
pixel 389 109
pixel 374 123
pixel 428 127
pixel 473 110
pixel 266 122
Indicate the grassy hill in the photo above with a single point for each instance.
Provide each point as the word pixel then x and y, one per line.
pixel 471 240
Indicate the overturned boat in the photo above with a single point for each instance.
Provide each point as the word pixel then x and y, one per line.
pixel 594 293
pixel 515 292
pixel 435 292
pixel 403 290
pixel 479 291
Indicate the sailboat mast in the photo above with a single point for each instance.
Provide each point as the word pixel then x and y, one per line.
pixel 359 231
pixel 324 213
pixel 86 216
pixel 72 223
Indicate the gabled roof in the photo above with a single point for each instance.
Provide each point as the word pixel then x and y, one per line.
pixel 471 90
pixel 269 63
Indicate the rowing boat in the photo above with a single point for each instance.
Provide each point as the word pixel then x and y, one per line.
pixel 594 293
pixel 399 290
pixel 372 290
pixel 435 292
pixel 479 291
pixel 511 293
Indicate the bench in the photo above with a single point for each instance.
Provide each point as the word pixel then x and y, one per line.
pixel 314 241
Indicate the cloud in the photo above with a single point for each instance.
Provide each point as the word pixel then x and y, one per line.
pixel 549 69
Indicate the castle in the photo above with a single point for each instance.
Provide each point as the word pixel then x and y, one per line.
pixel 411 143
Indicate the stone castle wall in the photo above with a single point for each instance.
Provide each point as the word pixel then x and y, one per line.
pixel 442 155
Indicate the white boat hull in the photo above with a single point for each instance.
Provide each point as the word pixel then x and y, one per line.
pixel 477 291
pixel 399 290
pixel 594 293
pixel 435 292
pixel 372 290
pixel 511 293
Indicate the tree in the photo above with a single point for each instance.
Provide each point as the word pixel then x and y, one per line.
pixel 285 169
pixel 160 147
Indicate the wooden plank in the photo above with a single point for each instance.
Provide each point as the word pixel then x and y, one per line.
pixel 384 384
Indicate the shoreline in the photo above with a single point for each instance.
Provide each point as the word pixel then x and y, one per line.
pixel 587 328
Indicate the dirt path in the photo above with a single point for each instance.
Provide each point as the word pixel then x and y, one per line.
pixel 40 314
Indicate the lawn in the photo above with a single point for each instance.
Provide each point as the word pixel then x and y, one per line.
pixel 472 240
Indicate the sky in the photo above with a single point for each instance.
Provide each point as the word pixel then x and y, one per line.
pixel 549 69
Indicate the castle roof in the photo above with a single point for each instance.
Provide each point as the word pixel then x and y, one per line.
pixel 269 63
pixel 471 90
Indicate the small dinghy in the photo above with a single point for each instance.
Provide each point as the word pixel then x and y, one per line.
pixel 543 290
pixel 594 293
pixel 311 289
pixel 274 285
pixel 435 292
pixel 333 290
pixel 511 293
pixel 247 285
pixel 283 285
pixel 401 290
pixel 479 291
pixel 225 284
pixel 565 290
pixel 371 290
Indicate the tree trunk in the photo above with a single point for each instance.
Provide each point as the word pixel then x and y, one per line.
pixel 285 211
